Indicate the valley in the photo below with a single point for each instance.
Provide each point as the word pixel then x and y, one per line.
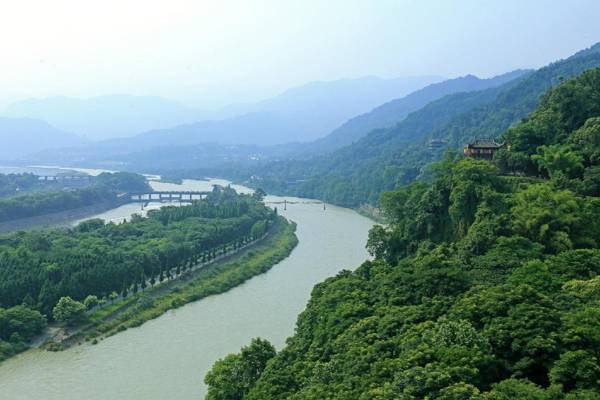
pixel 266 200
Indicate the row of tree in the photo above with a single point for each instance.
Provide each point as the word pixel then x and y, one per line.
pixel 38 268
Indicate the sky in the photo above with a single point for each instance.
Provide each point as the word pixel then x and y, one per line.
pixel 211 53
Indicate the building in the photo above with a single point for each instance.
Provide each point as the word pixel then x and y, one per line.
pixel 482 149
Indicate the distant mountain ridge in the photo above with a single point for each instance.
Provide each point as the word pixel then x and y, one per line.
pixel 392 157
pixel 20 137
pixel 302 113
pixel 104 117
pixel 394 111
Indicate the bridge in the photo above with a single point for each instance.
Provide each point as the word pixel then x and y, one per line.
pixel 285 202
pixel 191 196
pixel 63 178
pixel 166 195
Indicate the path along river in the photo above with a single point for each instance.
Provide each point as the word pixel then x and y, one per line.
pixel 167 358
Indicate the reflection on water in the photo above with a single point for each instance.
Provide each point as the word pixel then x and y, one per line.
pixel 168 357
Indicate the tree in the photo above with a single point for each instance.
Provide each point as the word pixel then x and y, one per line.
pixel 259 194
pixel 113 296
pixel 549 217
pixel 558 158
pixel 90 302
pixel 233 376
pixel 471 180
pixel 69 311
pixel 576 370
pixel 512 389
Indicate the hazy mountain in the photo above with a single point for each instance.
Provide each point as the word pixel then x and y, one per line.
pixel 239 136
pixel 394 111
pixel 105 117
pixel 24 136
pixel 303 113
pixel 257 128
pixel 387 158
pixel 315 109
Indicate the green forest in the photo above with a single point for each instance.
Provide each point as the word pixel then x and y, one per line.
pixel 393 157
pixel 10 184
pixel 483 285
pixel 40 199
pixel 49 273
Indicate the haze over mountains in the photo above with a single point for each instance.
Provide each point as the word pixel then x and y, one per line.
pixel 298 114
pixel 388 158
pixel 396 110
pixel 23 136
pixel 105 117
pixel 295 115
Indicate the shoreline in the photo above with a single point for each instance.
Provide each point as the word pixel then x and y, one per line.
pixel 212 279
pixel 58 219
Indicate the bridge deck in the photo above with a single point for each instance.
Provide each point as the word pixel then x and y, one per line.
pixel 171 195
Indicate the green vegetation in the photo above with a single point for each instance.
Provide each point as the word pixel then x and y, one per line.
pixel 69 311
pixel 484 285
pixel 215 278
pixel 46 202
pixel 233 376
pixel 18 325
pixel 11 184
pixel 54 271
pixel 105 188
pixel 393 157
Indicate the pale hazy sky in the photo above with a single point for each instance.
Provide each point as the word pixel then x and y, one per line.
pixel 209 53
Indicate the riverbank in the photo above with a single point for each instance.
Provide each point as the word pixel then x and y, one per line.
pixel 61 218
pixel 373 213
pixel 216 278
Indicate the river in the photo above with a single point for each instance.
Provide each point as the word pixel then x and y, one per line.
pixel 167 358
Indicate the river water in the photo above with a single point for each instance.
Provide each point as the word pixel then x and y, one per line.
pixel 167 358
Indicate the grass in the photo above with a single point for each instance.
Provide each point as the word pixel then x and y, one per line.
pixel 214 279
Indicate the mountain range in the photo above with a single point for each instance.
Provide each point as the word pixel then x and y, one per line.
pixel 392 112
pixel 391 157
pixel 24 136
pixel 255 133
pixel 299 114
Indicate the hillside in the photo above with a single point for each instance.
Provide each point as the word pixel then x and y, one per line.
pixel 21 137
pixel 317 108
pixel 388 158
pixel 392 112
pixel 483 286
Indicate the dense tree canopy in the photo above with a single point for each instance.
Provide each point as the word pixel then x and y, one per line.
pixel 484 283
pixel 52 197
pixel 38 268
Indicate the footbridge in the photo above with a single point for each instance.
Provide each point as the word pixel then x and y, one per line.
pixel 285 202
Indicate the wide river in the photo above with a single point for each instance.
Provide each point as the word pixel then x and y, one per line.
pixel 167 358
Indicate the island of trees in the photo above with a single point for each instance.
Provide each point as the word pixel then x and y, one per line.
pixel 34 198
pixel 484 285
pixel 57 274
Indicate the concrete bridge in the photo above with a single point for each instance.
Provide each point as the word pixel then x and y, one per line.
pixel 166 195
pixel 64 178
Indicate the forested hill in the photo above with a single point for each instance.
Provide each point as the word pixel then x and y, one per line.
pixel 388 158
pixel 485 284
pixel 394 111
